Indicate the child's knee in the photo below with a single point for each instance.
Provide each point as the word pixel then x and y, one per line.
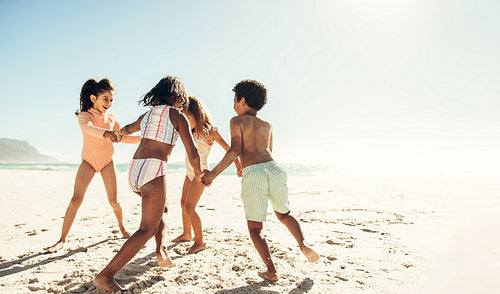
pixel 76 200
pixel 256 231
pixel 148 230
pixel 183 203
pixel 114 204
pixel 282 216
pixel 190 207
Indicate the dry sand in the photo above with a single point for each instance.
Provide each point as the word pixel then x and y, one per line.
pixel 373 235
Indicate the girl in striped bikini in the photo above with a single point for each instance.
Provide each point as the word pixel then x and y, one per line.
pixel 160 127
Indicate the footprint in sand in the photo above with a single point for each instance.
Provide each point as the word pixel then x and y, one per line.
pixel 36 288
pixel 236 268
pixel 342 278
pixel 31 233
pixel 331 242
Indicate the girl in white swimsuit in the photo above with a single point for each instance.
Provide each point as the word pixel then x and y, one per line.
pixel 160 127
pixel 205 134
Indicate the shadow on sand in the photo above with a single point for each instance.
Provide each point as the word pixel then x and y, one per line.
pixel 302 287
pixel 9 268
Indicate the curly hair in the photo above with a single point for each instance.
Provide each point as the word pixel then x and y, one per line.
pixel 204 124
pixel 254 92
pixel 93 87
pixel 169 90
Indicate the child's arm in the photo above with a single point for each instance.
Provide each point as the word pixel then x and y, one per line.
pixel 88 127
pixel 218 138
pixel 131 128
pixel 231 155
pixel 187 139
pixel 125 138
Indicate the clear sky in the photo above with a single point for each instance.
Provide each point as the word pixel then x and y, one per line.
pixel 386 83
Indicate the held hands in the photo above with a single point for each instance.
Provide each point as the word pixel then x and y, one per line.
pixel 110 135
pixel 197 177
pixel 113 136
pixel 119 136
pixel 207 178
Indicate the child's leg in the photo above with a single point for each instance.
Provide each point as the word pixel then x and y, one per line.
pixel 84 175
pixel 161 249
pixel 294 227
pixel 186 223
pixel 153 204
pixel 255 230
pixel 194 195
pixel 108 174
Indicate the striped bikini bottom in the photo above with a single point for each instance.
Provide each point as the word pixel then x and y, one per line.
pixel 145 170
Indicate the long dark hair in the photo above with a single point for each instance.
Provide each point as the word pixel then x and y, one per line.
pixel 168 90
pixel 93 87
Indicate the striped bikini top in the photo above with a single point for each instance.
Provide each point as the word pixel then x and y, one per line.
pixel 156 125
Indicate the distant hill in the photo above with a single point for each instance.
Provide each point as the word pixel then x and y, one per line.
pixel 17 151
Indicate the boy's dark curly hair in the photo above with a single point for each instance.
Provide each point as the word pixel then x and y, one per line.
pixel 168 90
pixel 254 92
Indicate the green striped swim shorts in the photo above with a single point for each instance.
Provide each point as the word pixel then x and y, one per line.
pixel 261 182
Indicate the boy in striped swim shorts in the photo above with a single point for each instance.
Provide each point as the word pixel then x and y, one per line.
pixel 263 180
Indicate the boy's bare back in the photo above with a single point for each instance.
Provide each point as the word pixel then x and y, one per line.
pixel 252 135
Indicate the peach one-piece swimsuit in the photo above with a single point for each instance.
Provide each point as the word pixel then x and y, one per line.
pixel 98 150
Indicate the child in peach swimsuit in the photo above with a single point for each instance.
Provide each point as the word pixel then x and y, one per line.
pixel 97 153
pixel 205 134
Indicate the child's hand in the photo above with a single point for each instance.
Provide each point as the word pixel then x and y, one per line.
pixel 207 178
pixel 110 135
pixel 119 137
pixel 198 177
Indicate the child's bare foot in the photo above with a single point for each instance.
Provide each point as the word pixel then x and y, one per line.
pixel 125 233
pixel 272 277
pixel 55 247
pixel 311 255
pixel 164 260
pixel 107 284
pixel 183 238
pixel 197 247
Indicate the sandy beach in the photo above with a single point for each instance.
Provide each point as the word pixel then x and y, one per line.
pixel 378 235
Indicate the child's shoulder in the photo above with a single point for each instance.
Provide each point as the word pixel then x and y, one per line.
pixel 84 114
pixel 246 118
pixel 174 110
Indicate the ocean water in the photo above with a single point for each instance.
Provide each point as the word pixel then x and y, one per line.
pixel 175 167
pixel 346 169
